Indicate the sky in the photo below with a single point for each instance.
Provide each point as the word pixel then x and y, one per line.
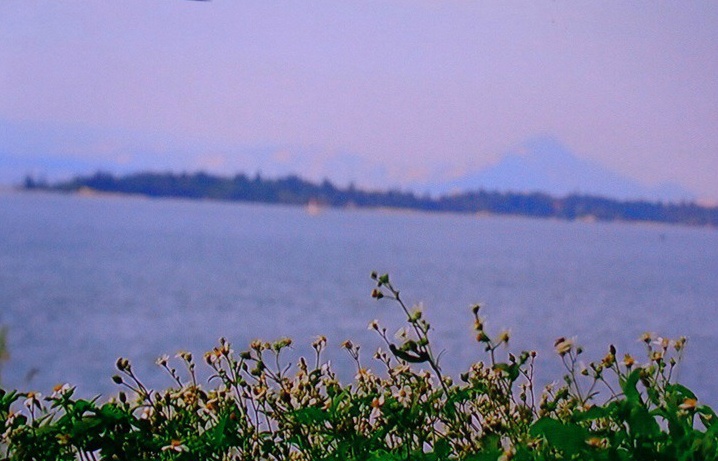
pixel 379 92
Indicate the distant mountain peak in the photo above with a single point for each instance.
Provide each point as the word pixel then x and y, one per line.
pixel 546 148
pixel 544 164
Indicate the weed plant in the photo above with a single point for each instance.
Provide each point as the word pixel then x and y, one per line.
pixel 256 408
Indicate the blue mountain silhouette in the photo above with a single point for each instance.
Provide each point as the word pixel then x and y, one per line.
pixel 545 165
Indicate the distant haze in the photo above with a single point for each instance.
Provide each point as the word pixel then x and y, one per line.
pixel 622 98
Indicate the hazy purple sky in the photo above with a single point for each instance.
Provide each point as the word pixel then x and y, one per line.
pixel 423 89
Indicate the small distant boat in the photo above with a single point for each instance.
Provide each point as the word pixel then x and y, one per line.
pixel 314 207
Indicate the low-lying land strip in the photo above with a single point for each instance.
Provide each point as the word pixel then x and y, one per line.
pixel 297 191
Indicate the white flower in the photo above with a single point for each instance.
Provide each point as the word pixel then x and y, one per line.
pixel 402 333
pixel 376 405
pixel 508 451
pixel 210 357
pixel 59 390
pixel 224 348
pixel 33 398
pixel 563 345
pixel 326 367
pixel 319 343
pixel 379 354
pixel 10 418
pixel 146 413
pixel 662 342
pixel 507 455
pixel 162 360
pixel 363 375
pixel 184 355
pixel 688 404
pixel 416 312
pixel 175 445
pixel 6 435
pixel 403 396
pixel 628 360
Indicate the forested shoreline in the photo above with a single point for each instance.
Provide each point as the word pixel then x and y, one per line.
pixel 297 191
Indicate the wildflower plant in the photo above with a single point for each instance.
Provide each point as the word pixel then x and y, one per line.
pixel 254 406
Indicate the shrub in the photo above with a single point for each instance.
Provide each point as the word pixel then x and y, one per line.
pixel 254 407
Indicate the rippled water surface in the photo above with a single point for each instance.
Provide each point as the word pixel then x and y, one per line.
pixel 84 280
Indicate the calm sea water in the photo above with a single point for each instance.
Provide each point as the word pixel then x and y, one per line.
pixel 84 280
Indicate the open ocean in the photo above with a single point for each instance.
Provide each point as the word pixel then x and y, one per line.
pixel 84 280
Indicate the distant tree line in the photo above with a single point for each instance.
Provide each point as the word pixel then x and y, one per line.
pixel 297 191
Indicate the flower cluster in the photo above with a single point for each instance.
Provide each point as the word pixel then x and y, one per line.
pixel 255 407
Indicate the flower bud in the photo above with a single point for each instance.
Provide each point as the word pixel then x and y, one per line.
pixel 122 364
pixel 628 361
pixel 562 346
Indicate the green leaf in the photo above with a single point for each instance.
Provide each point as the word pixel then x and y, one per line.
pixel 217 432
pixel 309 415
pixel 568 438
pixel 595 412
pixel 642 423
pixel 442 449
pixel 80 428
pixel 111 413
pixel 629 386
pixel 681 390
pixel 420 357
pixel 81 406
pixel 708 416
pixel 7 399
pixel 512 371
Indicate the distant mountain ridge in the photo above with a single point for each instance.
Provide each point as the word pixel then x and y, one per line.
pixel 545 165
pixel 542 164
